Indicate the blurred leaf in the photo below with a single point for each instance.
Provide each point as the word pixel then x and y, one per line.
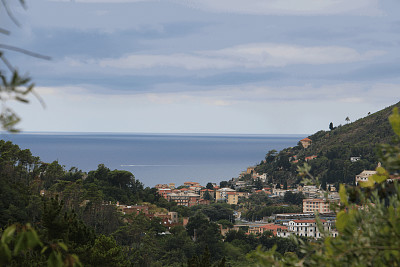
pixel 343 195
pixel 380 176
pixel 342 220
pixel 394 120
pixel 7 234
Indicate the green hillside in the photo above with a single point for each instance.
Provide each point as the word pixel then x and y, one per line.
pixel 333 150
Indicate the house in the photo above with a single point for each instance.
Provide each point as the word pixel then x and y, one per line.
pixel 310 157
pixel 279 192
pixel 188 184
pixel 250 170
pixel 159 186
pixel 263 177
pixel 164 192
pixel 364 175
pixel 221 194
pixel 306 142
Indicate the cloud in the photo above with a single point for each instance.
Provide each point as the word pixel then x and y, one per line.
pixel 290 7
pixel 248 95
pixel 272 7
pixel 258 55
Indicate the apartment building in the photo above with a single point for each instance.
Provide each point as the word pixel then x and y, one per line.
pixel 311 205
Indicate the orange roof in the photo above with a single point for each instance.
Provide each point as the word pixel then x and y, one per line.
pixel 209 190
pixel 311 157
pixel 306 139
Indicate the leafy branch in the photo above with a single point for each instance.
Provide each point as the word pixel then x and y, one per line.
pixel 14 86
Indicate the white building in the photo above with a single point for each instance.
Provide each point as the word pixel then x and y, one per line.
pixel 364 175
pixel 307 228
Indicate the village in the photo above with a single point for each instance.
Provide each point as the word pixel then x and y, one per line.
pixel 317 204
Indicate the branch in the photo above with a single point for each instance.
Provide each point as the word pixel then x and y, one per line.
pixel 4 31
pixel 9 13
pixel 24 51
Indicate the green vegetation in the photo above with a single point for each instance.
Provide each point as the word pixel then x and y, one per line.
pixel 76 211
pixel 368 221
pixel 54 216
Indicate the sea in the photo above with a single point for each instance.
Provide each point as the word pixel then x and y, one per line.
pixel 156 158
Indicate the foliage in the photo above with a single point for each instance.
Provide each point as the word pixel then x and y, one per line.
pixel 293 198
pixel 21 245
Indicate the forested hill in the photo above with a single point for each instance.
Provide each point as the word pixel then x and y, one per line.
pixel 330 151
pixel 368 131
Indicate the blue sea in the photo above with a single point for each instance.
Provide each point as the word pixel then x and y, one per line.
pixel 156 158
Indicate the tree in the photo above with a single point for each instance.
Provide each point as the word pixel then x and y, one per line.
pixel 223 184
pixel 209 186
pixel 20 245
pixel 207 196
pixel 106 252
pixel 331 126
pixel 271 155
pixel 347 119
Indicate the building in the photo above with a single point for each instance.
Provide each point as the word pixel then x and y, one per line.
pixel 159 186
pixel 232 198
pixel 310 157
pixel 191 184
pixel 364 175
pixel 308 228
pixel 184 199
pixel 133 209
pixel 243 194
pixel 279 192
pixel 221 194
pixel 263 177
pixel 164 192
pixel 306 142
pixel 310 191
pixel 311 205
pixel 250 170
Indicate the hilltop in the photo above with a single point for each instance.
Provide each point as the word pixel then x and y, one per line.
pixel 335 156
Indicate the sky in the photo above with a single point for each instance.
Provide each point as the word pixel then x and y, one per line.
pixel 205 66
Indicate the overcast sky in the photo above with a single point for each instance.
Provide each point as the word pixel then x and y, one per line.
pixel 206 66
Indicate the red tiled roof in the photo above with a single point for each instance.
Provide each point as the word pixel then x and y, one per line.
pixel 306 139
pixel 311 157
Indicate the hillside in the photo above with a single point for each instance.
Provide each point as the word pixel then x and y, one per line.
pixel 330 151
